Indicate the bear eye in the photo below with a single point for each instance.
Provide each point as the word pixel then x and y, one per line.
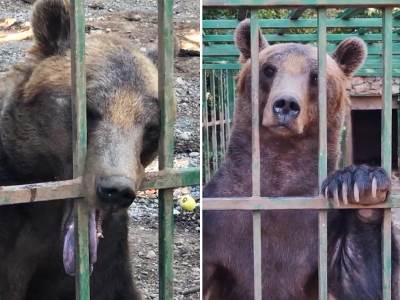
pixel 314 78
pixel 93 115
pixel 269 71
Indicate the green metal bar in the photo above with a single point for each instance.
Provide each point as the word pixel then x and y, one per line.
pixel 227 50
pixel 257 246
pixel 222 66
pixel 301 37
pixel 255 118
pixel 363 72
pixel 296 13
pixel 81 211
pixel 386 149
pixel 255 161
pixel 285 203
pixel 349 13
pixel 171 178
pixel 213 122
pixel 291 3
pixel 206 140
pixel 373 61
pixel 221 100
pixel 309 23
pixel 166 153
pixel 323 154
pixel 231 99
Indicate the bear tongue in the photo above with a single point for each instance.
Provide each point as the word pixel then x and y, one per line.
pixel 69 241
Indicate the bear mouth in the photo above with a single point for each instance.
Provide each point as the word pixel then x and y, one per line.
pixel 68 233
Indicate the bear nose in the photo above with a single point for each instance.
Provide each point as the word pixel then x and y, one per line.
pixel 115 190
pixel 286 108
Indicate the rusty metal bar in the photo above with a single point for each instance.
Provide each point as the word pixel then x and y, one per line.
pixel 286 203
pixel 255 162
pixel 79 133
pixel 386 149
pixel 323 155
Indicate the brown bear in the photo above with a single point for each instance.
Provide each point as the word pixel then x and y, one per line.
pixel 123 112
pixel 288 89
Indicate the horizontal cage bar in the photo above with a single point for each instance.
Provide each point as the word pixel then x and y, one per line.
pixel 69 189
pixel 299 3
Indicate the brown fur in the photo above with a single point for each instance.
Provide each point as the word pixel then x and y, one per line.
pixel 289 167
pixel 36 146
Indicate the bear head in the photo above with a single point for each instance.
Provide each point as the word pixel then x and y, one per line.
pixel 288 89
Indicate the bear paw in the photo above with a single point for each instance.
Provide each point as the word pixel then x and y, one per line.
pixel 362 185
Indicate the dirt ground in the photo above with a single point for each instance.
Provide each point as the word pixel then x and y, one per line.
pixel 137 21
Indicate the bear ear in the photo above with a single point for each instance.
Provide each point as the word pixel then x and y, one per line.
pixel 51 27
pixel 242 40
pixel 350 55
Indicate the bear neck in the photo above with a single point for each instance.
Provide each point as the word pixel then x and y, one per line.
pixel 289 165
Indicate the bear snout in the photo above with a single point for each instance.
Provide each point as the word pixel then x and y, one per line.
pixel 115 191
pixel 286 109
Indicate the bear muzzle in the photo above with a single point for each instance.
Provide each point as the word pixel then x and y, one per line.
pixel 285 109
pixel 115 191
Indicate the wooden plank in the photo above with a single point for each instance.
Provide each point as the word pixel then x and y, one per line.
pixel 298 3
pixel 81 210
pixel 255 149
pixel 47 191
pixel 386 149
pixel 166 151
pixel 70 189
pixel 286 203
pixel 323 155
pixel 373 102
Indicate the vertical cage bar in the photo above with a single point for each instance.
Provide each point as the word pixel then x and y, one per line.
pixel 221 113
pixel 166 153
pixel 206 141
pixel 322 159
pixel 255 164
pixel 386 149
pixel 78 80
pixel 214 123
pixel 231 99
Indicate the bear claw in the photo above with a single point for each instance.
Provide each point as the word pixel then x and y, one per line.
pixel 374 187
pixel 362 185
pixel 356 193
pixel 344 192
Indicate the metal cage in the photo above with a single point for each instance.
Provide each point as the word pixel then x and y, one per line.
pixel 256 203
pixel 165 180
